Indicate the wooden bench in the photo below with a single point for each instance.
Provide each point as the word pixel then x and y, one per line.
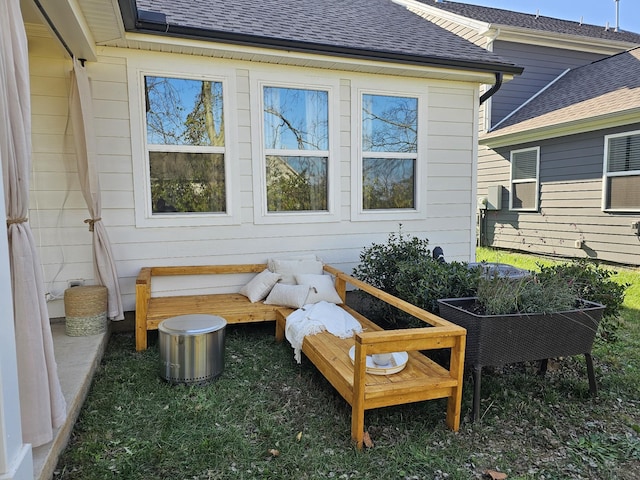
pixel 233 307
pixel 421 379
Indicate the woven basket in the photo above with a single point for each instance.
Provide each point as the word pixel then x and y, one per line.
pixel 86 310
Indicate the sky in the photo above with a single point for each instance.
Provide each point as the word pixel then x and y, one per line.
pixel 594 12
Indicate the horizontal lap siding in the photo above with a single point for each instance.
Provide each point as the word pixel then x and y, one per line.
pixel 541 66
pixel 58 209
pixel 570 205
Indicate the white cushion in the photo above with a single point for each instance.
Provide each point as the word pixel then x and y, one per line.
pixel 321 287
pixel 289 268
pixel 260 286
pixel 308 256
pixel 293 296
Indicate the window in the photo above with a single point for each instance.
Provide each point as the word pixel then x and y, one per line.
pixel 389 143
pixel 296 148
pixel 185 143
pixel 622 172
pixel 525 165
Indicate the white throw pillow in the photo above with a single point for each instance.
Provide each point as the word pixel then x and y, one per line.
pixel 260 285
pixel 321 287
pixel 289 268
pixel 309 256
pixel 293 296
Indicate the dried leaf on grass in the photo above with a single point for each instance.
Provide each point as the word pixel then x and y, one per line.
pixel 299 436
pixel 366 439
pixel 273 452
pixel 493 475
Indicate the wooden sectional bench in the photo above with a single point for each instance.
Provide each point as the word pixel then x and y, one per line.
pixel 421 379
pixel 233 307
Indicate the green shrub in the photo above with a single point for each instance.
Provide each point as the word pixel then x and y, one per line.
pixel 405 268
pixel 589 281
pixel 592 282
pixel 423 281
pixel 379 263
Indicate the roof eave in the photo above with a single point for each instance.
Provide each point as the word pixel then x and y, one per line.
pixel 582 125
pixel 543 38
pixel 510 33
pixel 154 25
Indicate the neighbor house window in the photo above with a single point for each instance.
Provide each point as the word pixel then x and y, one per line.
pixel 525 167
pixel 389 144
pixel 296 149
pixel 622 171
pixel 185 142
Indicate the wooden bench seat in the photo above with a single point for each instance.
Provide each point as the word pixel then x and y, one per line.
pixel 421 379
pixel 233 307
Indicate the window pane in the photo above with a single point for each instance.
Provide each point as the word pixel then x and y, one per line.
pixel 184 112
pixel 296 119
pixel 624 192
pixel 525 165
pixel 388 183
pixel 296 183
pixel 524 195
pixel 389 124
pixel 187 182
pixel 624 153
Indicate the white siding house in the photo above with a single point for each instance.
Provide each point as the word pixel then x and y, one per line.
pixel 437 73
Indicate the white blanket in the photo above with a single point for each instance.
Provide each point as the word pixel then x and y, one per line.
pixel 315 318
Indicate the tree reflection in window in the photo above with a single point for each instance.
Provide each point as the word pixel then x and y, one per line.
pixel 186 145
pixel 296 143
pixel 389 151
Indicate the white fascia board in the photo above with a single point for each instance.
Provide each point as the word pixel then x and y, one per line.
pixel 69 21
pixel 509 33
pixel 481 27
pixel 600 122
pixel 563 41
pixel 141 41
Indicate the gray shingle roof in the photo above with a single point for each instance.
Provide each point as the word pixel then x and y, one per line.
pixel 525 20
pixel 605 87
pixel 378 28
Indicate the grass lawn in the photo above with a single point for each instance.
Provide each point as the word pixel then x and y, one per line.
pixel 267 417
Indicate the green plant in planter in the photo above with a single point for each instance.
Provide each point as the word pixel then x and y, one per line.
pixel 503 295
pixel 556 288
pixel 590 281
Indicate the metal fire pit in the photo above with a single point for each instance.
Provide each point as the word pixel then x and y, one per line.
pixel 191 348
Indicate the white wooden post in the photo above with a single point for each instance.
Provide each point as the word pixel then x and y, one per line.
pixel 16 460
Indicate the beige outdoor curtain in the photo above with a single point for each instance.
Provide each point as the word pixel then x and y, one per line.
pixel 81 111
pixel 42 404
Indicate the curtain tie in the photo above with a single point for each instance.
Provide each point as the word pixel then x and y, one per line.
pixel 91 221
pixel 11 221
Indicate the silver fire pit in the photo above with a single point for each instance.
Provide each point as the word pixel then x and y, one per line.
pixel 191 348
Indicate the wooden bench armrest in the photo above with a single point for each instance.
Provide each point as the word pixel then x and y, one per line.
pixel 342 279
pixel 144 277
pixel 410 339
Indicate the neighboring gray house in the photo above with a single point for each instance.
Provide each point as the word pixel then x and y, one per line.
pixel 560 206
pixel 574 151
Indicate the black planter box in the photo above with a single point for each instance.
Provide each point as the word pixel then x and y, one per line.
pixel 495 340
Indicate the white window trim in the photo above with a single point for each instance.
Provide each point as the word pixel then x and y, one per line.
pixel 138 68
pixel 261 79
pixel 606 174
pixel 530 180
pixel 403 89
